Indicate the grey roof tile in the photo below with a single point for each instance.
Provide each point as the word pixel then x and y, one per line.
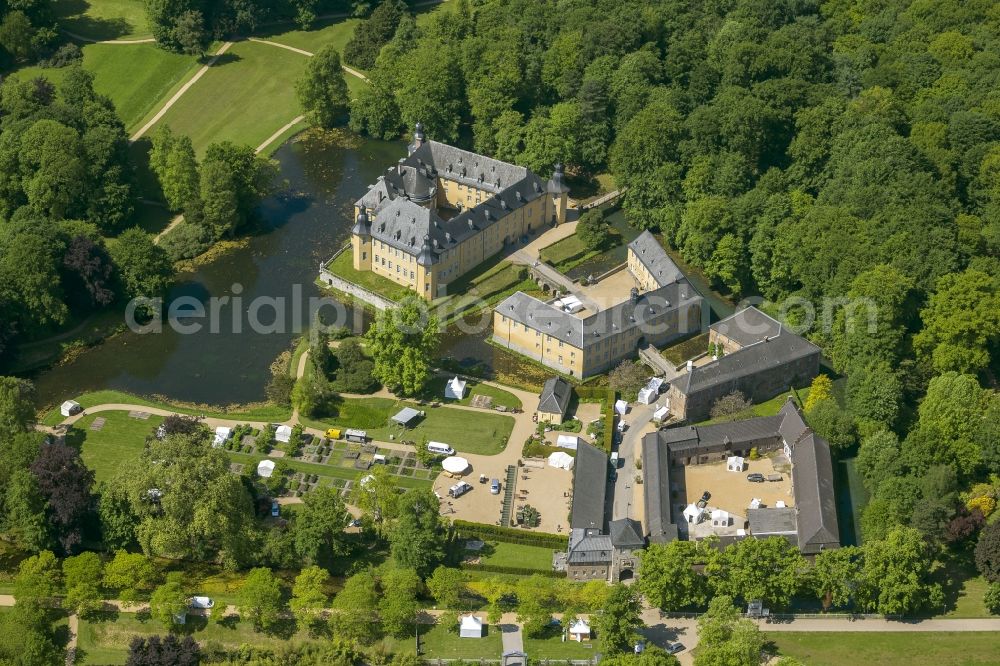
pixel 651 254
pixel 589 488
pixel 555 396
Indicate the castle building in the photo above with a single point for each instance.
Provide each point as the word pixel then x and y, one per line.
pixel 655 304
pixel 442 211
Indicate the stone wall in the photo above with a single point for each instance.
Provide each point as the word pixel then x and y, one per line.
pixel 355 291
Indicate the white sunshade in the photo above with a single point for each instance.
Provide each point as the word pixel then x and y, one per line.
pixel 580 627
pixel 455 464
pixel 222 433
pixel 455 389
pixel 621 407
pixel 283 433
pixel 265 468
pixel 561 460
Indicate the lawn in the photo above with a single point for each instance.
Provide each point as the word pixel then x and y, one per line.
pixel 768 408
pixel 438 641
pixel 106 641
pixel 480 288
pixel 343 266
pixel 435 391
pixel 335 32
pixel 103 19
pixel 136 77
pixel 245 97
pixel 571 251
pixel 552 646
pixel 890 648
pixel 970 601
pixel 120 441
pixel 680 352
pixel 503 554
pixel 468 431
pixel 257 412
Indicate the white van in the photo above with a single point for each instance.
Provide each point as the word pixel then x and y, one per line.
pixel 440 449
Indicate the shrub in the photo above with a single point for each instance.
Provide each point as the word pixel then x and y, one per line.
pixel 992 598
pixel 729 405
pixel 465 529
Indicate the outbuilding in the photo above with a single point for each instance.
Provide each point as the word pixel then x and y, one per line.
pixel 553 401
pixel 455 389
pixel 406 417
pixel 470 626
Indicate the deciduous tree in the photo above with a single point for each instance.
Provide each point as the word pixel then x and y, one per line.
pixel 259 598
pixel 322 90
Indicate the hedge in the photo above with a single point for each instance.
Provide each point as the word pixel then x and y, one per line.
pixel 510 535
pixel 518 571
pixel 608 396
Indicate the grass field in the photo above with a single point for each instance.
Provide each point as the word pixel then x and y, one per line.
pixel 245 97
pixel 890 649
pixel 571 251
pixel 336 32
pixel 435 391
pixel 106 642
pixel 135 77
pixel 103 19
pixel 118 442
pixel 680 352
pixel 517 555
pixel 438 641
pixel 261 412
pixel 465 430
pixel 551 646
pixel 768 408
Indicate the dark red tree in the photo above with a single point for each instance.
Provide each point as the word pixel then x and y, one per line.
pixel 90 267
pixel 65 483
pixel 988 552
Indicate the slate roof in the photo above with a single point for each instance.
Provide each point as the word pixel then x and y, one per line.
pixel 763 354
pixel 651 254
pixel 583 333
pixel 626 534
pixel 401 222
pixel 748 326
pixel 555 396
pixel 589 488
pixel 660 527
pixel 814 516
pixel 717 437
pixel 771 521
pixel 591 549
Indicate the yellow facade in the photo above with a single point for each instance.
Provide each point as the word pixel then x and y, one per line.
pixel 544 348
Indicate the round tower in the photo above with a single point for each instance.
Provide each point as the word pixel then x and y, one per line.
pixel 559 194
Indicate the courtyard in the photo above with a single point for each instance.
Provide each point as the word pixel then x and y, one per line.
pixel 730 491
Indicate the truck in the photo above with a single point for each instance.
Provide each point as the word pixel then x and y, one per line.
pixel 614 460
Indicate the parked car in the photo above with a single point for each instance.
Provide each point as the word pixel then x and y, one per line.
pixel 640 647
pixel 275 509
pixel 674 648
pixel 355 522
pixel 495 487
pixel 705 496
pixel 201 602
pixel 755 477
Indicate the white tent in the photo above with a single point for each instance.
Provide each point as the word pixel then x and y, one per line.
pixel 780 504
pixel 265 468
pixel 693 514
pixel 283 433
pixel 562 460
pixel 70 407
pixel 567 442
pixel 755 503
pixel 651 391
pixel 661 414
pixel 735 464
pixel 470 627
pixel 720 518
pixel 455 464
pixel 455 389
pixel 365 480
pixel 621 407
pixel 222 433
pixel 579 631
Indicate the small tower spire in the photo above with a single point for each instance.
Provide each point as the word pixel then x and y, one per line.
pixel 419 138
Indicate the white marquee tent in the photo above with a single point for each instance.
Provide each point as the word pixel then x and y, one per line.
pixel 579 631
pixel 283 433
pixel 651 391
pixel 735 464
pixel 567 442
pixel 720 518
pixel 693 514
pixel 455 464
pixel 265 468
pixel 661 414
pixel 70 407
pixel 470 627
pixel 621 407
pixel 455 389
pixel 561 459
pixel 222 433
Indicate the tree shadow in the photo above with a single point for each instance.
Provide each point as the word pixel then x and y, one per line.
pixel 97 28
pixel 225 59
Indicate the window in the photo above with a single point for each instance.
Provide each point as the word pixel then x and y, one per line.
pixel 390 265
pixel 560 360
pixel 412 276
pixel 560 343
pixel 364 255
